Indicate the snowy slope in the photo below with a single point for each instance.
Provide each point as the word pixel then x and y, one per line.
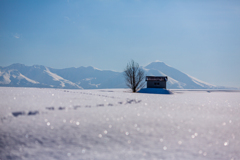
pixel 63 81
pixel 114 124
pixel 12 76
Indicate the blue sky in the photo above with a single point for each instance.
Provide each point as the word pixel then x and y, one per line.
pixel 200 38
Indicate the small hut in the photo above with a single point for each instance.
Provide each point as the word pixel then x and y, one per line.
pixel 156 81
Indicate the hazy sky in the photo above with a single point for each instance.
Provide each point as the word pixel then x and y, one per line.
pixel 198 37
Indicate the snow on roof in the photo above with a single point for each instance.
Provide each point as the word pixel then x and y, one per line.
pixel 156 78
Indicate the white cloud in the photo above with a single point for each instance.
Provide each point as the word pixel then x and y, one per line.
pixel 67 18
pixel 16 35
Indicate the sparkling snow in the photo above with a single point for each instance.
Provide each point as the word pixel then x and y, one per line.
pixel 58 124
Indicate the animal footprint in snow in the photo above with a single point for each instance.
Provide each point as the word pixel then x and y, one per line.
pixel 22 113
pixel 50 108
pixel 33 112
pixel 76 107
pixel 19 113
pixel 61 108
pixel 130 101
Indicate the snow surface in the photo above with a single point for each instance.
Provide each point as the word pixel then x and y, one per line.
pixel 58 124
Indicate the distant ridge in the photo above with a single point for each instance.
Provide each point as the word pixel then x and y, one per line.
pixel 20 75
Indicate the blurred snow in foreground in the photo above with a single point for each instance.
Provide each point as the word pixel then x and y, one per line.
pixel 57 124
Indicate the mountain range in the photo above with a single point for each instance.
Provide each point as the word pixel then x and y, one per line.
pixel 20 75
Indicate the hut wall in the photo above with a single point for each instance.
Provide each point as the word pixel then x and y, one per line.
pixel 156 84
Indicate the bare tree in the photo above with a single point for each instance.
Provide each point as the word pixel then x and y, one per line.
pixel 134 76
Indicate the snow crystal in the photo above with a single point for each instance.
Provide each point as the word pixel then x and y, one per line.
pixel 164 148
pixel 179 142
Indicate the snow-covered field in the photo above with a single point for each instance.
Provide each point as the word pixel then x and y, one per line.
pixel 58 124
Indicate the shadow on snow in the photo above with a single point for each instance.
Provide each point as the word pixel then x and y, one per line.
pixel 155 91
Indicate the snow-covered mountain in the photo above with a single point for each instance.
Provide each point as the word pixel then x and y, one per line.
pixel 19 75
pixel 176 78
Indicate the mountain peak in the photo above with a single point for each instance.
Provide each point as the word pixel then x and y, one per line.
pixel 17 65
pixel 155 65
